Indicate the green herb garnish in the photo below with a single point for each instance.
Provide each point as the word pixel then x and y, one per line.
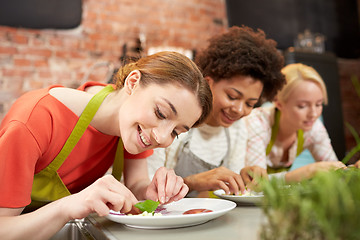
pixel 147 205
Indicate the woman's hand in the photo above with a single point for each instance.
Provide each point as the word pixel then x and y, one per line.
pixel 357 164
pixel 166 186
pixel 217 178
pixel 308 171
pixel 104 194
pixel 251 176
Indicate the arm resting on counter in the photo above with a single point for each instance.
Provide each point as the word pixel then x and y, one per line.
pixel 104 194
pixel 308 171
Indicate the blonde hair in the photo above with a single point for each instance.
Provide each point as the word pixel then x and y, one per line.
pixel 170 68
pixel 296 73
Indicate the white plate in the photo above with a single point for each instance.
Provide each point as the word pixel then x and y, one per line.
pixel 173 216
pixel 256 199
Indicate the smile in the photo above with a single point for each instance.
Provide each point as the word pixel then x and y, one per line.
pixel 143 138
pixel 231 118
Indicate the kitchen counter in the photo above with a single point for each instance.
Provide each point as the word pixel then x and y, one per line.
pixel 243 222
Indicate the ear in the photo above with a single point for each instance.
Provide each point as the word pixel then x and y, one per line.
pixel 210 81
pixel 132 81
pixel 277 103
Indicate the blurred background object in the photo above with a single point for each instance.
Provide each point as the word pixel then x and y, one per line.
pixel 283 20
pixel 39 14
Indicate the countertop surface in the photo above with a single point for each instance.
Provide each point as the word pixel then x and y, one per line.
pixel 243 222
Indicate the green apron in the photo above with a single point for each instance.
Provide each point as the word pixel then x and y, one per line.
pixel 47 185
pixel 274 132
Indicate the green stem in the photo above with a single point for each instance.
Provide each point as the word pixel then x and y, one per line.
pixel 351 154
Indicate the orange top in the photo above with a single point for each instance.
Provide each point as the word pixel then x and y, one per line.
pixel 33 133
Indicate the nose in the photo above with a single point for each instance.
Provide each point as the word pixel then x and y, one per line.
pixel 162 135
pixel 238 108
pixel 313 112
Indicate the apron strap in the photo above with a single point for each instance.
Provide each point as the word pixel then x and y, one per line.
pixel 274 131
pixel 80 127
pixel 118 165
pixel 300 138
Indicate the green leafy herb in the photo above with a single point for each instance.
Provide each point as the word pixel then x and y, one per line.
pixel 147 205
pixel 325 207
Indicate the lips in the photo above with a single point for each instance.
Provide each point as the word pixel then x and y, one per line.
pixel 143 138
pixel 229 118
pixel 309 123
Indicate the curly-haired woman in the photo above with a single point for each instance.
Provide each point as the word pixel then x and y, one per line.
pixel 243 68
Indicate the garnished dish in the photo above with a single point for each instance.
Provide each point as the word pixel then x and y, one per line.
pixel 173 215
pixel 248 197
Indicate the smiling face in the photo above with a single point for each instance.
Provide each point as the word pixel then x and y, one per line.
pixel 303 106
pixel 154 115
pixel 233 99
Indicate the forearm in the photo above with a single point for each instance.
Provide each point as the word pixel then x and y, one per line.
pixel 300 174
pixel 40 224
pixel 191 183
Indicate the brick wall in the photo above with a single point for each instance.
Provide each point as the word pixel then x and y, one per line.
pixel 30 59
pixel 349 69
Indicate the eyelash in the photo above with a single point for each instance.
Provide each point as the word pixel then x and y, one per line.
pixel 247 104
pixel 161 116
pixel 231 98
pixel 317 105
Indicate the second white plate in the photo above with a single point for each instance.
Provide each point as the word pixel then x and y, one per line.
pixel 255 199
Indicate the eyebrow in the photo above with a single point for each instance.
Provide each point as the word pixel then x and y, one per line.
pixel 241 94
pixel 175 112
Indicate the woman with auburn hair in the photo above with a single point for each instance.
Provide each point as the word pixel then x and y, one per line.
pixel 280 132
pixel 57 143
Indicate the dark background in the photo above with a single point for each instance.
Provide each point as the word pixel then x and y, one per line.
pixel 37 14
pixel 282 20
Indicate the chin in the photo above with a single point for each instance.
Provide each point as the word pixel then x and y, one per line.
pixel 307 128
pixel 131 149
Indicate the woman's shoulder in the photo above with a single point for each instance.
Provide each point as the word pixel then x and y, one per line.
pixel 74 99
pixel 262 117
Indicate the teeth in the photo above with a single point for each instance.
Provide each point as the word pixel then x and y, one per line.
pixel 143 139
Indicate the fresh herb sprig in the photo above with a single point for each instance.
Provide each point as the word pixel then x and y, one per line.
pixel 147 205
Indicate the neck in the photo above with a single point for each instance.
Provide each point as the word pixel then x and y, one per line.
pixel 106 119
pixel 286 130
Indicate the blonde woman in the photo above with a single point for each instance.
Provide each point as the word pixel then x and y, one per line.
pixel 280 132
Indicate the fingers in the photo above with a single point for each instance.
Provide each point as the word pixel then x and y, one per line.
pixel 246 176
pixel 168 186
pixel 357 164
pixel 108 193
pixel 181 194
pixel 235 183
pixel 159 183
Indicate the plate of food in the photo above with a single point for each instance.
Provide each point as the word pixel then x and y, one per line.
pixel 249 196
pixel 183 213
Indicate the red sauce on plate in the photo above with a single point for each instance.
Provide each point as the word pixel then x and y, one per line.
pixel 197 210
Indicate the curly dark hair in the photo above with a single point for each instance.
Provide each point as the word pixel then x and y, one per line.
pixel 243 51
